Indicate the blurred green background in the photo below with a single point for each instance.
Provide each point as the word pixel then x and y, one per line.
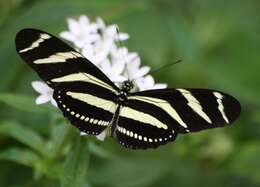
pixel 219 44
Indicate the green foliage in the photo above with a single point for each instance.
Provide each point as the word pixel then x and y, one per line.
pixel 218 42
pixel 24 103
pixel 76 164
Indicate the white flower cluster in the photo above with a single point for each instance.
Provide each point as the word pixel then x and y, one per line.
pixel 98 43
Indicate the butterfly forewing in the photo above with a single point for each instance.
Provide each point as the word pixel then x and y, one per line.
pixel 83 93
pixel 57 62
pixel 192 110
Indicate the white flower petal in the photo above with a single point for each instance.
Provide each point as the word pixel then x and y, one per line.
pixel 41 87
pixel 111 30
pixel 118 68
pixel 141 72
pixel 83 21
pixel 79 43
pixel 135 61
pixel 134 64
pixel 73 26
pixel 118 78
pixel 82 133
pixel 149 81
pixel 132 57
pixel 67 36
pixel 42 99
pixel 88 52
pixel 53 102
pixel 123 36
pixel 90 38
pixel 101 56
pixel 100 23
pixel 102 136
pixel 145 83
pixel 159 86
pixel 105 66
pixel 93 27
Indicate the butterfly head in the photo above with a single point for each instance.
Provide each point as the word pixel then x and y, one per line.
pixel 127 86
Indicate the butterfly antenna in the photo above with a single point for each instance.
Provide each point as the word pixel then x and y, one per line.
pixel 165 66
pixel 159 68
pixel 121 46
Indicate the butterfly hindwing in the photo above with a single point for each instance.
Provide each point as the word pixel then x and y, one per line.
pixel 159 115
pixel 192 110
pixel 83 93
pixel 89 113
pixel 135 134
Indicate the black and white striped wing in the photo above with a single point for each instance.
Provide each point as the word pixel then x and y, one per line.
pixel 83 93
pixel 155 117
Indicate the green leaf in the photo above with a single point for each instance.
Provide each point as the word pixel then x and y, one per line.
pixel 24 103
pixel 60 133
pixel 24 135
pixel 100 151
pixel 246 161
pixel 76 164
pixel 129 172
pixel 20 156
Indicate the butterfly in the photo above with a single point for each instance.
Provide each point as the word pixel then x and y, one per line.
pixel 93 103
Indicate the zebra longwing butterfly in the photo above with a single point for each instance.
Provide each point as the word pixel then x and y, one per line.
pixel 92 103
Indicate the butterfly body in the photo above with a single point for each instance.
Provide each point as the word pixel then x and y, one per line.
pixel 93 103
pixel 124 91
pixel 114 122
